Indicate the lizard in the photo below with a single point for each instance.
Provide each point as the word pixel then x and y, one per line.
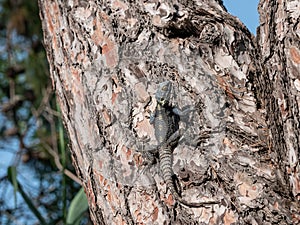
pixel 165 120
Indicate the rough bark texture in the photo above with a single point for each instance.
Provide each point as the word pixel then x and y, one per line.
pixel 106 59
pixel 278 39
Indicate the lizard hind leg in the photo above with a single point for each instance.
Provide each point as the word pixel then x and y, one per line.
pixel 173 139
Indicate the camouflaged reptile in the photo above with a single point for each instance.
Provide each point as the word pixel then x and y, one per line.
pixel 166 124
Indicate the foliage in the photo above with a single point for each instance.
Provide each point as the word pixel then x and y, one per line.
pixel 32 141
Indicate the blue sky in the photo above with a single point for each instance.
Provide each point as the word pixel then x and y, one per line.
pixel 245 10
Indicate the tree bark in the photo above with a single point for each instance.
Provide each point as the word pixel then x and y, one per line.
pixel 278 41
pixel 240 146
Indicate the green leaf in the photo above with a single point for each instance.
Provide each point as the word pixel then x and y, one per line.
pixel 12 177
pixel 78 206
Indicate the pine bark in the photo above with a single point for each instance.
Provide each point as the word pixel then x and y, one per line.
pixel 278 41
pixel 106 59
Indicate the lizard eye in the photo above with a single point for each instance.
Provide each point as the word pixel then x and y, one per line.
pixel 164 88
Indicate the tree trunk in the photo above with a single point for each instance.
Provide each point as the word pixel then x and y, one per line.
pixel 278 41
pixel 241 143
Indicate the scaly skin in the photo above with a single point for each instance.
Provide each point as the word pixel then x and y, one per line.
pixel 167 133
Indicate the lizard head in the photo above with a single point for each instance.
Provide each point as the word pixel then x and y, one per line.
pixel 163 92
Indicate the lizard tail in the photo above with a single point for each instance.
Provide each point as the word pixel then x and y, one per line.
pixel 165 155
